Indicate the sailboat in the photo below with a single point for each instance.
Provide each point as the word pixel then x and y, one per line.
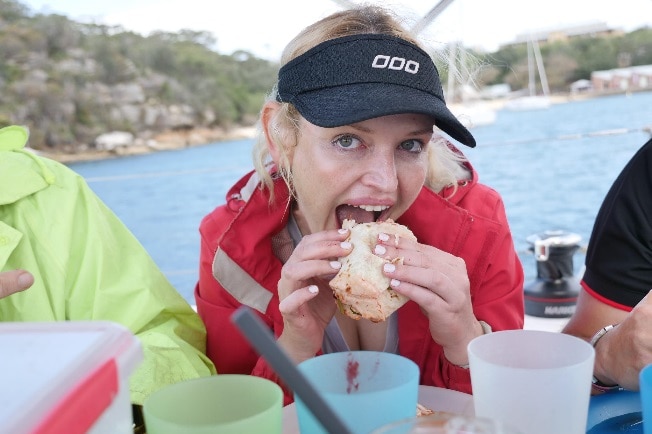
pixel 467 107
pixel 532 101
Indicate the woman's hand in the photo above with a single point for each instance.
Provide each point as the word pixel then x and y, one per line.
pixel 438 282
pixel 306 300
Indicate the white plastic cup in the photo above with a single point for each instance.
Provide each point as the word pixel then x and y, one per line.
pixel 536 381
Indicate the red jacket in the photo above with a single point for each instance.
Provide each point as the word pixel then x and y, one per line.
pixel 236 242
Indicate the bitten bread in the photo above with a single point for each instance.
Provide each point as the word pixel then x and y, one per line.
pixel 361 288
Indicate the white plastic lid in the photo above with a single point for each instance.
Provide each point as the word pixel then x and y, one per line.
pixel 44 366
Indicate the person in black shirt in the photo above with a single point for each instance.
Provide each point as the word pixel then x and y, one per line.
pixel 614 310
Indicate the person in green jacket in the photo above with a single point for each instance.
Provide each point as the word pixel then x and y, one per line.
pixel 64 256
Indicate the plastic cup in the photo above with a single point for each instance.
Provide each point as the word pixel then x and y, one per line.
pixel 225 404
pixel 536 381
pixel 443 423
pixel 368 389
pixel 645 385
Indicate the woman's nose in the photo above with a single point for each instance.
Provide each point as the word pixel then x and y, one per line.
pixel 381 173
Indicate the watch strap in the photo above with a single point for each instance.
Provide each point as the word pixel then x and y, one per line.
pixel 597 385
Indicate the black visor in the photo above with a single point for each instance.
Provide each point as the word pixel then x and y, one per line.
pixel 355 78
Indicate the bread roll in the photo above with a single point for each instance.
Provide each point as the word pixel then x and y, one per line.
pixel 361 288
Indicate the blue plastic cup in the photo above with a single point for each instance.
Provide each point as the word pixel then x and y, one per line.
pixel 368 389
pixel 645 382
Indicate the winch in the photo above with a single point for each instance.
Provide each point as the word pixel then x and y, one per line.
pixel 554 292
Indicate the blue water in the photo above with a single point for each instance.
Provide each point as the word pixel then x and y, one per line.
pixel 552 168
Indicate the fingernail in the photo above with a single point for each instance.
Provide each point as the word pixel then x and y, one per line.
pixel 383 237
pixel 345 245
pixel 389 268
pixel 394 283
pixel 342 231
pixel 380 250
pixel 336 265
pixel 25 279
pixel 313 289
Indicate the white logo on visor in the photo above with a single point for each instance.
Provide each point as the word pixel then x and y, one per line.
pixel 382 61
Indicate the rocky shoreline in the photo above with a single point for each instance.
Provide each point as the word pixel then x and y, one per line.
pixel 168 140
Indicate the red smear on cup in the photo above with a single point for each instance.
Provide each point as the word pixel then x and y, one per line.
pixel 352 368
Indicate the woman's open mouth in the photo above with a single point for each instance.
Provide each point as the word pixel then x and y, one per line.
pixel 361 213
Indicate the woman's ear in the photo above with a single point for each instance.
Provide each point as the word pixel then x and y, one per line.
pixel 270 129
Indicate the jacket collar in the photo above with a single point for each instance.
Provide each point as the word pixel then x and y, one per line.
pixel 21 169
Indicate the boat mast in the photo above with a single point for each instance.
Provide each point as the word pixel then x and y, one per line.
pixel 530 68
pixel 540 68
pixel 430 16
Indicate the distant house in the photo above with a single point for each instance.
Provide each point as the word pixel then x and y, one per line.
pixel 590 29
pixel 628 79
pixel 580 87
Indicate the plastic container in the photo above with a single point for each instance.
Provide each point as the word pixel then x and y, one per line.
pixel 66 377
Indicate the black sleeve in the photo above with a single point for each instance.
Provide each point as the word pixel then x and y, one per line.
pixel 619 255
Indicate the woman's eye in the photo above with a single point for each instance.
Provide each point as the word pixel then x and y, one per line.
pixel 347 142
pixel 412 145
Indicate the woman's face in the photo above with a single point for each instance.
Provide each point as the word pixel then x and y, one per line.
pixel 371 170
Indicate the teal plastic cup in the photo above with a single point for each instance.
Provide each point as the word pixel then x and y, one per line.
pixel 367 389
pixel 225 404
pixel 645 384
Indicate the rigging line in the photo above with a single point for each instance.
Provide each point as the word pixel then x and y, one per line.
pixel 577 136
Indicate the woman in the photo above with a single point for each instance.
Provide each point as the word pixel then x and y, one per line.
pixel 348 131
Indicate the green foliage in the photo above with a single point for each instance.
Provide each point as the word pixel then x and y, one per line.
pixel 12 11
pixel 61 77
pixel 575 59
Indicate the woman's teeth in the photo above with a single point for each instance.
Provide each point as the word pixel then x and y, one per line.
pixel 373 208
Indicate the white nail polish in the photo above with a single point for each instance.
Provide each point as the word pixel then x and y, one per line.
pixel 313 289
pixel 389 268
pixel 336 265
pixel 383 237
pixel 342 231
pixel 380 250
pixel 394 283
pixel 345 245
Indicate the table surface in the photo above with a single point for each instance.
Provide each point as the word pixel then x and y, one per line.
pixel 545 324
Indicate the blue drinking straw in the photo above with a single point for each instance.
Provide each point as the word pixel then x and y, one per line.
pixel 261 338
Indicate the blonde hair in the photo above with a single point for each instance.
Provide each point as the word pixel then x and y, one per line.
pixel 444 164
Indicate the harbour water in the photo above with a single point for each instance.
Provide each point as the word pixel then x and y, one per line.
pixel 552 168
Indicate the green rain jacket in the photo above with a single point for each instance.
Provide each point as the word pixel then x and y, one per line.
pixel 87 265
